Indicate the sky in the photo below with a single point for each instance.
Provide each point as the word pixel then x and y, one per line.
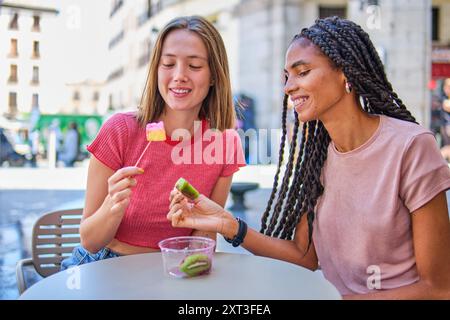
pixel 81 25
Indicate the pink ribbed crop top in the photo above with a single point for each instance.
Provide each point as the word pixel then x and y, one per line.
pixel 120 142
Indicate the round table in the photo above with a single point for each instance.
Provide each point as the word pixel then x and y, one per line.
pixel 233 276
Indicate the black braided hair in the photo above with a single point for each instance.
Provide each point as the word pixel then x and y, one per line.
pixel 349 49
pixel 280 162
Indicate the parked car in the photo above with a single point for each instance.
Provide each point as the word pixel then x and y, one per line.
pixel 8 154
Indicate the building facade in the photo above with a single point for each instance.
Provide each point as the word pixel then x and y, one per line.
pixel 25 82
pixel 400 30
pixel 133 28
pixel 257 34
pixel 84 97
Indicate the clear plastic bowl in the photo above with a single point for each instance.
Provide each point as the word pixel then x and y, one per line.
pixel 187 256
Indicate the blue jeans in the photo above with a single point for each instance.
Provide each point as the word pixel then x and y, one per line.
pixel 81 256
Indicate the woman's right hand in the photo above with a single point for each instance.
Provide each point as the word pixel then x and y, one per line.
pixel 119 188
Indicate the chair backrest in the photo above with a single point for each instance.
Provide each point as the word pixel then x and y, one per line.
pixel 55 234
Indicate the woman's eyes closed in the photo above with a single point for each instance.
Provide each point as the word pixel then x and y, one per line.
pixel 170 65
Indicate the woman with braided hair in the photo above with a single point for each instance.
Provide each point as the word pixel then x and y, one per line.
pixel 365 197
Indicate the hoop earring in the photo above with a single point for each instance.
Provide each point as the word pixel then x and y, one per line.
pixel 348 87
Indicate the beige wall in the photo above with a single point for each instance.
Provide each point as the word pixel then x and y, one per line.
pixel 266 28
pixel 404 34
pixel 127 90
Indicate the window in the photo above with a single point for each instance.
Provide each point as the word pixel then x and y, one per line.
pixel 116 5
pixel 110 104
pixel 76 95
pixel 145 55
pixel 35 100
pixel 116 39
pixel 12 103
pixel 326 11
pixel 95 96
pixel 14 23
pixel 35 79
pixel 13 52
pixel 35 49
pixel 435 24
pixel 115 74
pixel 36 23
pixel 149 8
pixel 13 73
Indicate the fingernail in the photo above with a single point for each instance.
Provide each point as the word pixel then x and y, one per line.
pixel 141 170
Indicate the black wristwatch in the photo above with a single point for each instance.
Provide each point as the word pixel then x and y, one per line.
pixel 239 237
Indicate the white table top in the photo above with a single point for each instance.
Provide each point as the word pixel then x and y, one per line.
pixel 233 276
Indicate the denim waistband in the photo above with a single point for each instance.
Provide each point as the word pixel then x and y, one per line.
pixel 103 253
pixel 114 253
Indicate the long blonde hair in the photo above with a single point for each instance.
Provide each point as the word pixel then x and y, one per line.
pixel 217 107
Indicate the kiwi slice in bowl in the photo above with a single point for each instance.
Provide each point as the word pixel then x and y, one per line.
pixel 195 264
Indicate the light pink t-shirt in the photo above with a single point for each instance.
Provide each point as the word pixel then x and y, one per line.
pixel 363 231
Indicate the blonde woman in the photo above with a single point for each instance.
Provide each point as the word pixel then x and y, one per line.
pixel 188 87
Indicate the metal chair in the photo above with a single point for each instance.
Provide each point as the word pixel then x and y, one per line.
pixel 55 235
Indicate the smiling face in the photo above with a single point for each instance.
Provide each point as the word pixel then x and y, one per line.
pixel 313 84
pixel 184 76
